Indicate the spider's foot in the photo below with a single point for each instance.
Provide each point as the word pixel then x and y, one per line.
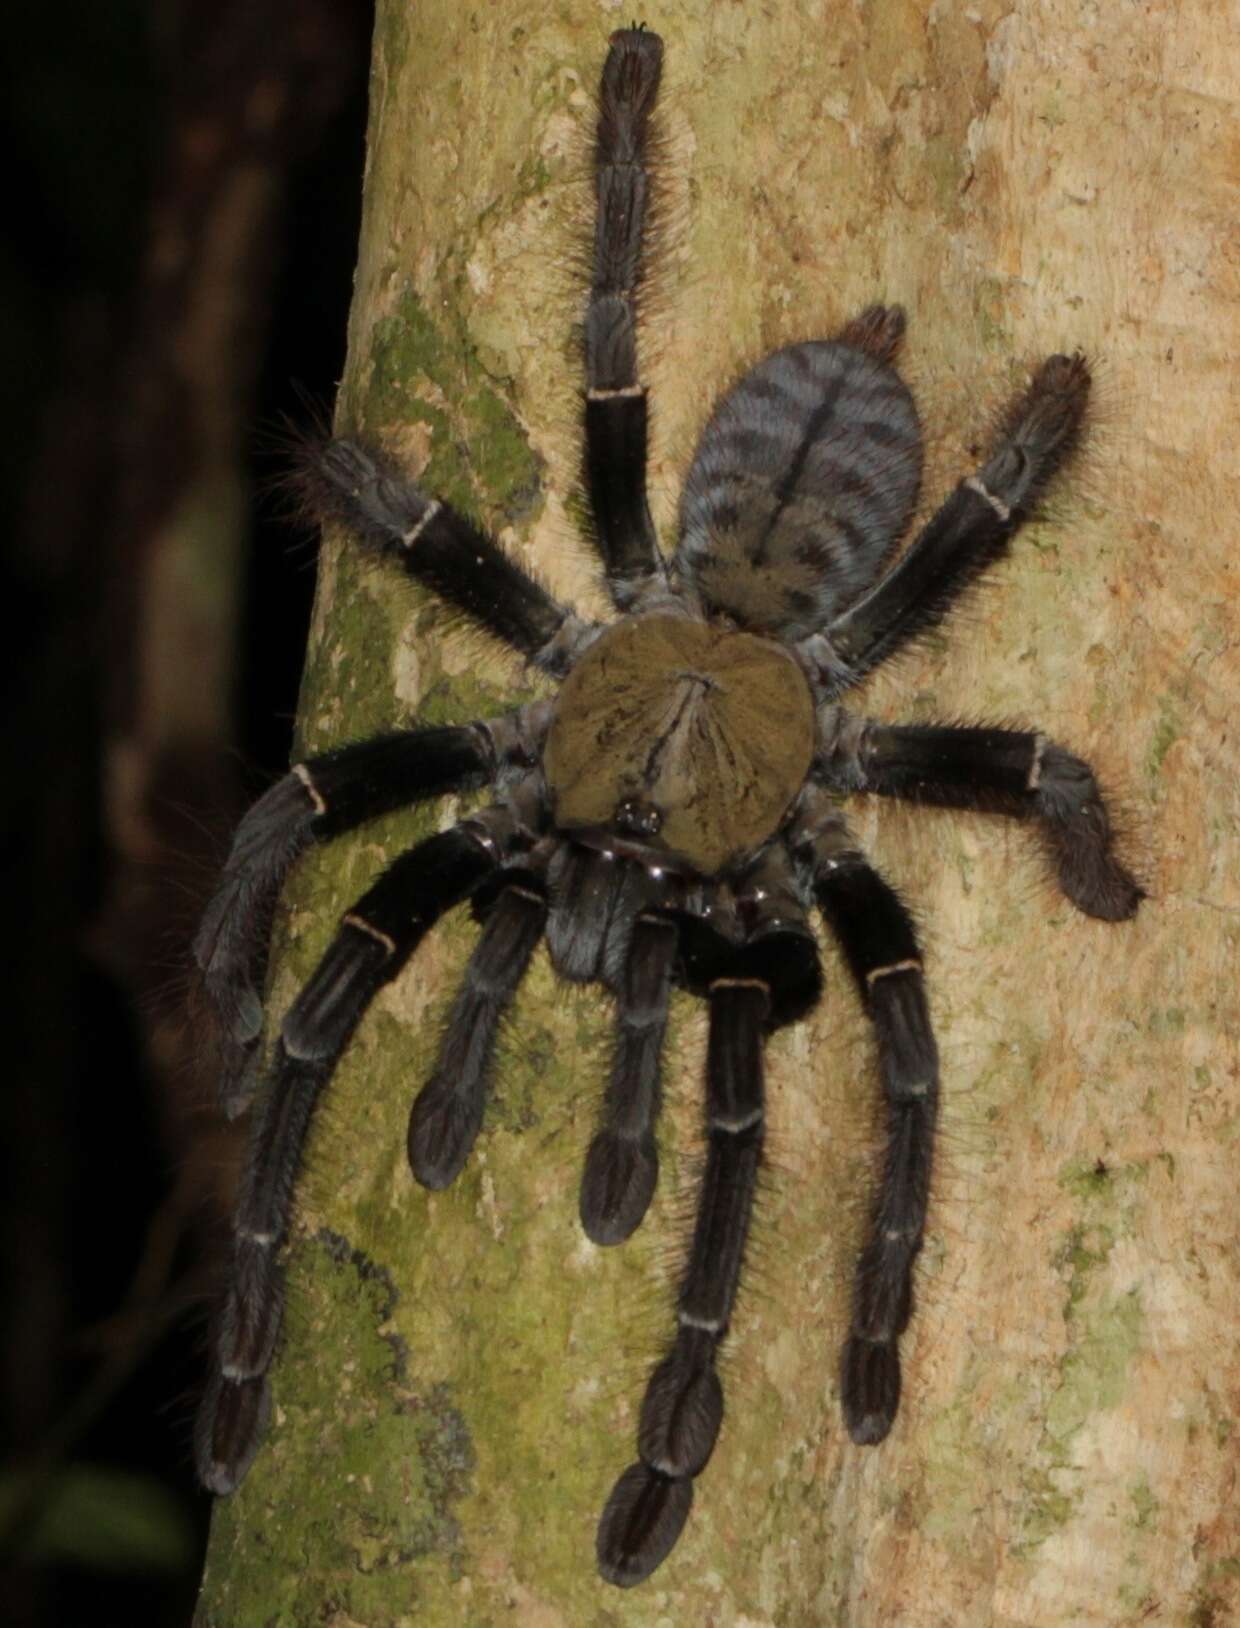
pixel 681 1416
pixel 1063 380
pixel 1057 402
pixel 1098 884
pixel 645 1515
pixel 870 1388
pixel 633 66
pixel 442 1131
pixel 1077 831
pixel 1050 413
pixel 878 330
pixel 617 1186
pixel 232 1419
pixel 1038 433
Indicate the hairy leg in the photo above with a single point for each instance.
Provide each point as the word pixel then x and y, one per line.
pixel 622 1166
pixel 615 409
pixel 1001 771
pixel 759 973
pixel 1038 432
pixel 376 938
pixel 876 935
pixel 447 1114
pixel 364 490
pixel 317 800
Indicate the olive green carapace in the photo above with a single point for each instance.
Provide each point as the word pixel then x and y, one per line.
pixel 709 731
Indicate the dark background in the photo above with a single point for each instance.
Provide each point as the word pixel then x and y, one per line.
pixel 184 197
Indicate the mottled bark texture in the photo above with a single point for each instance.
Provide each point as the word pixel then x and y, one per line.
pixel 460 1374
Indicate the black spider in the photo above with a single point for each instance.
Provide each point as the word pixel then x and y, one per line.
pixel 671 818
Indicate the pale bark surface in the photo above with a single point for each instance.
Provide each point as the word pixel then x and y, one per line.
pixel 458 1385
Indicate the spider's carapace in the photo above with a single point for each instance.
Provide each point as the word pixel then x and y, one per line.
pixel 679 741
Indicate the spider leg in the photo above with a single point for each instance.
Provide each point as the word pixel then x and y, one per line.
pixel 770 979
pixel 615 408
pixel 622 1166
pixel 319 799
pixel 586 888
pixel 374 941
pixel 876 934
pixel 683 1407
pixel 1000 771
pixel 447 1113
pixel 365 491
pixel 1038 432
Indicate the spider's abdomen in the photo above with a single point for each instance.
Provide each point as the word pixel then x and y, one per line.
pixel 686 740
pixel 803 482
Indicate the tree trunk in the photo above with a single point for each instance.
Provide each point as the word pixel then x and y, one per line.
pixel 459 1379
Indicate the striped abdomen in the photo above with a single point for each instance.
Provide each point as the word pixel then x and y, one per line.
pixel 803 482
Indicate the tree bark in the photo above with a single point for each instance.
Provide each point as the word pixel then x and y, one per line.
pixel 458 1383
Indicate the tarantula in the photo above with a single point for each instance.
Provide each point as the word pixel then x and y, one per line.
pixel 671 818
